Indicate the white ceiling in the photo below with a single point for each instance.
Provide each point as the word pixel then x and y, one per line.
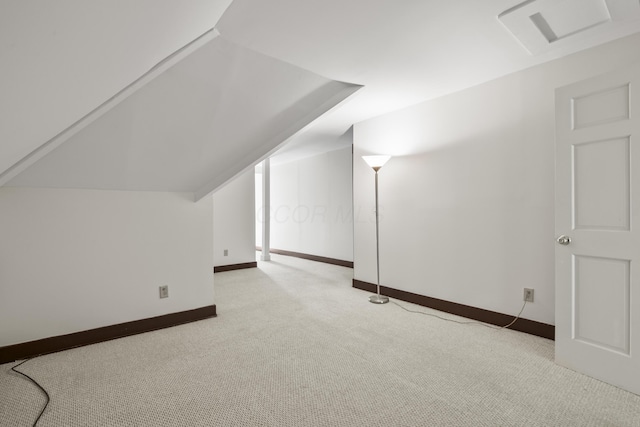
pixel 62 59
pixel 402 52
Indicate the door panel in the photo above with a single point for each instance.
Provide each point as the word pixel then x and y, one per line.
pixel 601 185
pixel 605 106
pixel 610 329
pixel 598 207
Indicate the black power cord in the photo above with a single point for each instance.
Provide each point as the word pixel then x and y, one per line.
pixel 13 368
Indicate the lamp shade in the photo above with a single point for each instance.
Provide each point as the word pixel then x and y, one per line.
pixel 376 162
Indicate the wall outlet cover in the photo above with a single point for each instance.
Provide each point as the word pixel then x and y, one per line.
pixel 164 291
pixel 528 294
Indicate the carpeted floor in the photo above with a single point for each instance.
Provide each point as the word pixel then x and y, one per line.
pixel 295 345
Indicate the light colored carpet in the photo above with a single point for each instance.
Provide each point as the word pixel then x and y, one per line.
pixel 295 345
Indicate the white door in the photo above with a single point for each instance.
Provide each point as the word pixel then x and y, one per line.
pixel 598 227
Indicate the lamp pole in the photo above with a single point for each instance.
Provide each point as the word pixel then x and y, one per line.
pixel 376 162
pixel 377 299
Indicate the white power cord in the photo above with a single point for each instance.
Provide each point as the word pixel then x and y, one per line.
pixel 463 323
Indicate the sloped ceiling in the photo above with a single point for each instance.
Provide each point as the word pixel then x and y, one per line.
pixel 61 59
pixel 196 125
pixel 189 127
pixel 245 92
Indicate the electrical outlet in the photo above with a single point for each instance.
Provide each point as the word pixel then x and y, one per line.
pixel 226 252
pixel 164 291
pixel 528 294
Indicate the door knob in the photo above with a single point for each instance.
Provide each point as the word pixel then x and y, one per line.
pixel 564 240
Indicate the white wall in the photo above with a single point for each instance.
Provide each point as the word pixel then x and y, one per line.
pixel 73 260
pixel 234 221
pixel 311 205
pixel 467 203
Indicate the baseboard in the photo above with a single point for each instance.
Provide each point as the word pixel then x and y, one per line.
pixel 231 267
pixel 65 342
pixel 317 258
pixel 522 325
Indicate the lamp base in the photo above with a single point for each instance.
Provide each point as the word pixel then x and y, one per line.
pixel 378 299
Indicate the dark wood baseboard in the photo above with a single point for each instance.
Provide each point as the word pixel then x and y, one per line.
pixel 231 267
pixel 317 258
pixel 523 325
pixel 65 342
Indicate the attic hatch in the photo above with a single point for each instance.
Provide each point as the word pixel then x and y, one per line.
pixel 543 25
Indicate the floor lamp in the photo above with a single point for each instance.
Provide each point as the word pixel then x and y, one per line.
pixel 376 162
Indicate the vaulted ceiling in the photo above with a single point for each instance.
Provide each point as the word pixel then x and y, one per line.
pixel 146 95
